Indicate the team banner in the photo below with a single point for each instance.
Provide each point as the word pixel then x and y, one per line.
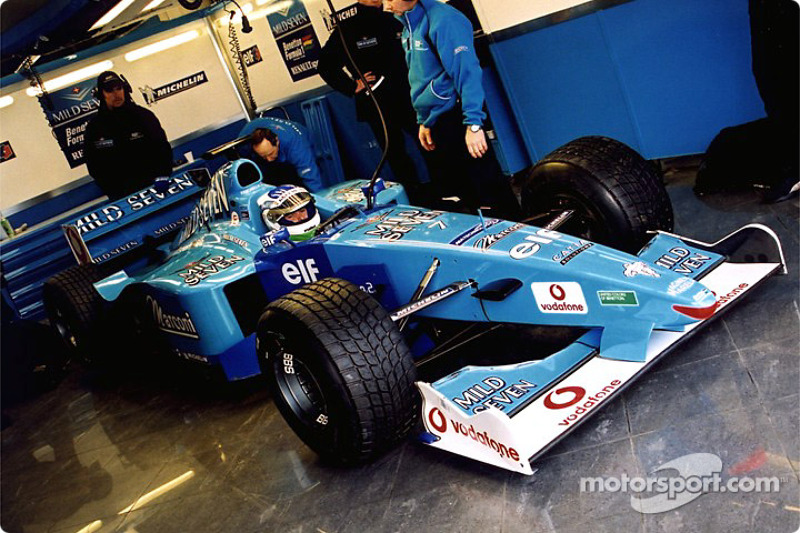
pixel 73 108
pixel 251 56
pixel 151 96
pixel 296 40
pixel 6 152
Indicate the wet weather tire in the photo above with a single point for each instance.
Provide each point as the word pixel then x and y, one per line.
pixel 75 310
pixel 339 370
pixel 616 194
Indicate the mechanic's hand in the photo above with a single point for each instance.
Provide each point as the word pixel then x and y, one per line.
pixel 425 138
pixel 476 143
pixel 370 77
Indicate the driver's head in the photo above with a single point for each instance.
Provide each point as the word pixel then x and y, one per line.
pixel 291 207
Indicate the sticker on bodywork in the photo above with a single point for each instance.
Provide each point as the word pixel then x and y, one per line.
pixel 562 297
pixel 617 298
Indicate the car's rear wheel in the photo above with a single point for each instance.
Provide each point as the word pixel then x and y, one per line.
pixel 75 310
pixel 339 370
pixel 616 195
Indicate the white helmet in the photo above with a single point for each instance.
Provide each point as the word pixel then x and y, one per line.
pixel 291 207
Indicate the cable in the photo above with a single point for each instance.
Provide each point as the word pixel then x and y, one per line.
pixel 335 24
pixel 45 101
pixel 236 52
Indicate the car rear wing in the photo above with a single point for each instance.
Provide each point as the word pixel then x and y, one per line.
pixel 150 215
pixel 510 415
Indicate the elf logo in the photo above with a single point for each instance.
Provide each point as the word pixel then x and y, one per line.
pixel 562 297
pixel 301 271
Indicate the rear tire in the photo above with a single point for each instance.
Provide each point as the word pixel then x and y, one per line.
pixel 75 310
pixel 339 370
pixel 616 194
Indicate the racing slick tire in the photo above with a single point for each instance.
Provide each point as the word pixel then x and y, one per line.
pixel 339 370
pixel 616 194
pixel 75 310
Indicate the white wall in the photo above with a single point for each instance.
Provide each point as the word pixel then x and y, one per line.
pixel 40 166
pixel 496 15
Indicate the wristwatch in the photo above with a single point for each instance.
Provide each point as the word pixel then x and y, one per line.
pixel 475 128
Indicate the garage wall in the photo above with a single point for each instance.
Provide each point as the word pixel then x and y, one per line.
pixel 40 166
pixel 664 77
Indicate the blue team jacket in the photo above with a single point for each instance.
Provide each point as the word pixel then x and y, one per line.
pixel 438 77
pixel 295 148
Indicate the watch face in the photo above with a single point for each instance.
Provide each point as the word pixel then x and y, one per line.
pixel 474 128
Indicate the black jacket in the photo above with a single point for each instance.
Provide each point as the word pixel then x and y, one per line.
pixel 373 38
pixel 126 149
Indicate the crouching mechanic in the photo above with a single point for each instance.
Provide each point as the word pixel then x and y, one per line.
pixel 283 151
pixel 290 207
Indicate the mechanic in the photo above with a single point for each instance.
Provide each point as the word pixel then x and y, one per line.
pixel 125 147
pixel 372 38
pixel 291 207
pixel 284 152
pixel 448 97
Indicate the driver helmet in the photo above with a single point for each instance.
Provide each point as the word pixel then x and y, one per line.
pixel 291 207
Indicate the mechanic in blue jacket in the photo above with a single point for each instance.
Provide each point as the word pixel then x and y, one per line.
pixel 448 97
pixel 283 151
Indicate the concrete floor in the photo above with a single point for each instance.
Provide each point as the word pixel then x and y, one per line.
pixel 169 453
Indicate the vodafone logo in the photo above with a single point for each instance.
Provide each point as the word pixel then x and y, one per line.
pixel 437 420
pixel 574 395
pixel 564 297
pixel 557 292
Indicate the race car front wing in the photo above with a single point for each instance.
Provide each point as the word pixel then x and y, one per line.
pixel 510 415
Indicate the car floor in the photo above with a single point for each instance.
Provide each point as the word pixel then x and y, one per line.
pixel 152 448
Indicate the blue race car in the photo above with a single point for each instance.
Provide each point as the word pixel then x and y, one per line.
pixel 332 296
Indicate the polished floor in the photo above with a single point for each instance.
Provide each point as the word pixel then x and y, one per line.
pixel 163 451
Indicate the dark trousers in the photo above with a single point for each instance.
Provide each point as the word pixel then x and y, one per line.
pixel 478 182
pixel 400 118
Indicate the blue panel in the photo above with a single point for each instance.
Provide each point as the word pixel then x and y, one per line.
pixel 664 77
pixel 562 84
pixel 318 122
pixel 509 148
pixel 686 67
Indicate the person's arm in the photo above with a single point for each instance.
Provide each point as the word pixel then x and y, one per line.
pixel 300 154
pixel 332 60
pixel 331 64
pixel 97 163
pixel 456 48
pixel 162 155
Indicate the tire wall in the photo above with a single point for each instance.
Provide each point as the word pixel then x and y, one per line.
pixel 663 77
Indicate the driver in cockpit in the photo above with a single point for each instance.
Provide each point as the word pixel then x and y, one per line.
pixel 291 207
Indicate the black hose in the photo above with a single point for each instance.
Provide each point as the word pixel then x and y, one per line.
pixel 335 21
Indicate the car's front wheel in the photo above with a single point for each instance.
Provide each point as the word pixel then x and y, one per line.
pixel 339 370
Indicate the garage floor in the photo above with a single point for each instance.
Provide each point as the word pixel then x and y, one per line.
pixel 139 453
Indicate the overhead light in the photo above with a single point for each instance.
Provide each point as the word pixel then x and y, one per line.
pixel 162 45
pixel 6 101
pixel 152 5
pixel 73 77
pixel 112 13
pixel 269 10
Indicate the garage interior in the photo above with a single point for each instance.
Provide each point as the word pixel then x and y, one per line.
pixel 158 445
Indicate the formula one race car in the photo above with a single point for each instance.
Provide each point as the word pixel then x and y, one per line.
pixel 336 322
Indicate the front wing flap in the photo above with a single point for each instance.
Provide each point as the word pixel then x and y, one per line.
pixel 510 415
